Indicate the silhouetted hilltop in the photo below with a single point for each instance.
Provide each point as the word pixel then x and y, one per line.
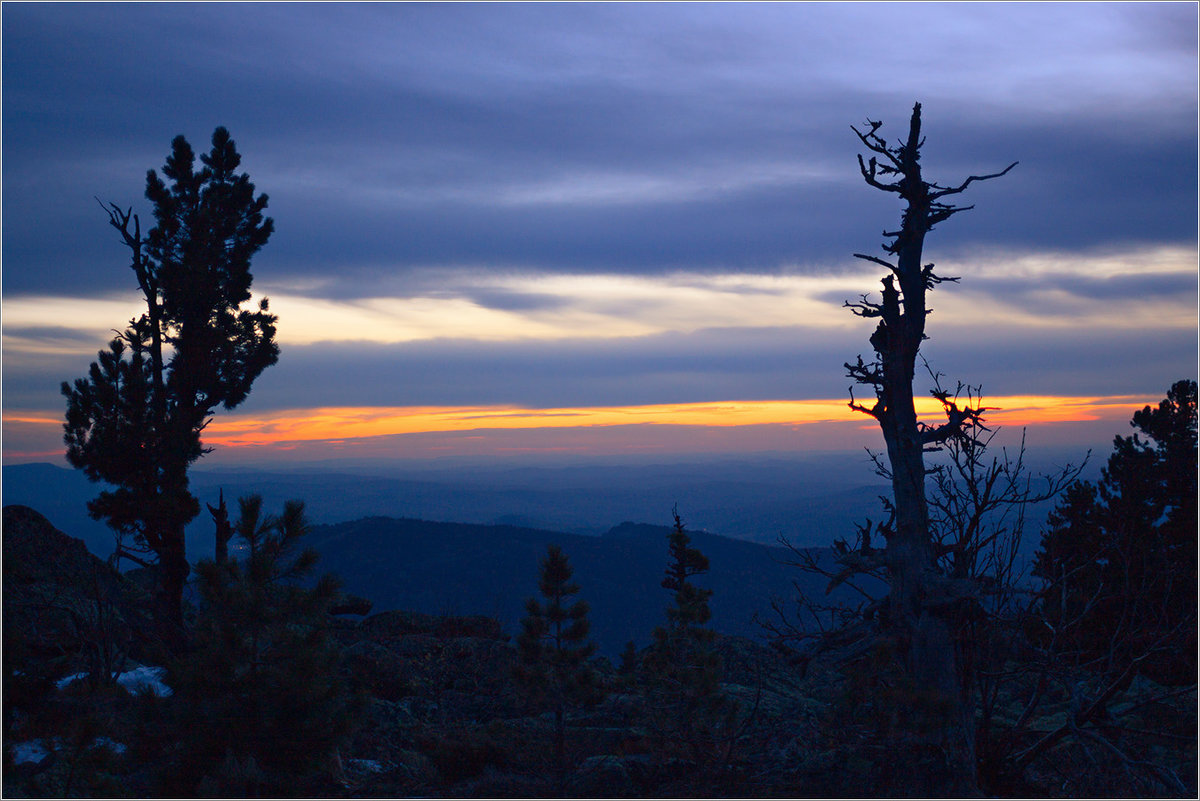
pixel 35 551
pixel 629 530
pixel 758 499
pixel 457 568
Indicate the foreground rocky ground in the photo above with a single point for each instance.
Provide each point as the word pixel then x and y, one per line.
pixel 439 714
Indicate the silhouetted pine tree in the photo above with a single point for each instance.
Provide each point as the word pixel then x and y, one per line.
pixel 554 650
pixel 262 687
pixel 628 667
pixel 682 668
pixel 1119 556
pixel 135 420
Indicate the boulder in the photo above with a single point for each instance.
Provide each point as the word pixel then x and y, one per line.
pixel 64 610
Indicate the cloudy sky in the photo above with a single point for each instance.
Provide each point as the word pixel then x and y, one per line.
pixel 593 228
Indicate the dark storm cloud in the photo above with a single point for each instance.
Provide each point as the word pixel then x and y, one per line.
pixel 578 137
pixel 36 385
pixel 1073 187
pixel 759 232
pixel 1065 361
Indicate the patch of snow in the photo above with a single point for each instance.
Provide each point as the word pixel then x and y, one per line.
pixel 65 680
pixel 145 679
pixel 142 679
pixel 34 751
pixel 110 744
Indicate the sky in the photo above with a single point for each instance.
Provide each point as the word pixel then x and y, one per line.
pixel 507 229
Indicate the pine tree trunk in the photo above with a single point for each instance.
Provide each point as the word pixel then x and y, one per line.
pixel 560 749
pixel 173 572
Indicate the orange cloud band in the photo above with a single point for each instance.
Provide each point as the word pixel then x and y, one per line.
pixel 342 423
pixel 339 424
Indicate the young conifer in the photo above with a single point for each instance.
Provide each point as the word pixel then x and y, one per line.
pixel 1119 555
pixel 263 682
pixel 554 650
pixel 682 667
pixel 627 670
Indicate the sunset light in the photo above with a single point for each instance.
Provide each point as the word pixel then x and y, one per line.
pixel 353 423
pixel 353 428
pixel 378 377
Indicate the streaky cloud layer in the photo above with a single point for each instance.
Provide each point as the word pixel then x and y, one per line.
pixel 612 206
pixel 363 431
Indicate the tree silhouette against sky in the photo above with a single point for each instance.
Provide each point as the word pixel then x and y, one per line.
pixel 135 421
pixel 918 611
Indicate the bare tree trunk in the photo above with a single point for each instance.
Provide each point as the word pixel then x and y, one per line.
pixel 921 623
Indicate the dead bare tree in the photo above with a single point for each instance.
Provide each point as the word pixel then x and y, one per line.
pixel 920 613
pixel 979 506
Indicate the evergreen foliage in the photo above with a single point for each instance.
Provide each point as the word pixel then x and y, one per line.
pixel 554 650
pixel 262 686
pixel 1119 556
pixel 135 420
pixel 243 720
pixel 682 668
pixel 628 666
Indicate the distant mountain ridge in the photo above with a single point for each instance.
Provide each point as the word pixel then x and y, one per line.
pixel 457 568
pixel 811 502
pixel 406 561
pixel 392 553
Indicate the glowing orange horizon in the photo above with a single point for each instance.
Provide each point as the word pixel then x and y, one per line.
pixel 281 429
pixel 348 423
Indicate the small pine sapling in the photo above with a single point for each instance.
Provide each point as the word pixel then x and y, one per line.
pixel 554 651
pixel 682 668
pixel 263 680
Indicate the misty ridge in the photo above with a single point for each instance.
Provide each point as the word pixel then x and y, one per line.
pixel 753 499
pixel 949 616
pixel 807 499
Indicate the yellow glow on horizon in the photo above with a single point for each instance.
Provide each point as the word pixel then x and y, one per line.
pixel 356 422
pixel 347 423
pixel 345 428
